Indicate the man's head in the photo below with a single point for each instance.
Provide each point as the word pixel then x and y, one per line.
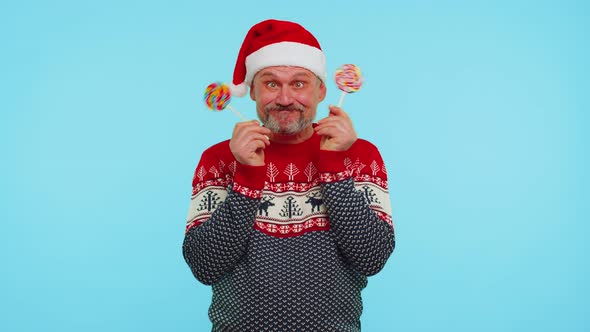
pixel 285 68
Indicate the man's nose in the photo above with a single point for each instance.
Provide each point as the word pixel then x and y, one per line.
pixel 285 97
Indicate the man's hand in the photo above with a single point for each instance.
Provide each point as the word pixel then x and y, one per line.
pixel 248 142
pixel 336 131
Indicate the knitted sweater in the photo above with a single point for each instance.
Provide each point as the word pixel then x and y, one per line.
pixel 288 246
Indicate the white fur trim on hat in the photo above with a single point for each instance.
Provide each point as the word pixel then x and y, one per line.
pixel 286 54
pixel 239 90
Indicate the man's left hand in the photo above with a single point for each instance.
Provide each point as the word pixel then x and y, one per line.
pixel 336 131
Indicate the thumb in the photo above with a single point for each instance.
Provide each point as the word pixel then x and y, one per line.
pixel 335 110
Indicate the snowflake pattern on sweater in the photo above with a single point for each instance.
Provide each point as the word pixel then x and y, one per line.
pixel 289 245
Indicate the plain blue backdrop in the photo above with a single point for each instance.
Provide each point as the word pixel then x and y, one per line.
pixel 480 109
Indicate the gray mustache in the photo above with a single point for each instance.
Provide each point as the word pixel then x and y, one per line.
pixel 284 108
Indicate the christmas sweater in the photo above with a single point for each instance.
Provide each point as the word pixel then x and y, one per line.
pixel 288 246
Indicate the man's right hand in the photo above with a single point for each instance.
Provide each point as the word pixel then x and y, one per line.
pixel 248 142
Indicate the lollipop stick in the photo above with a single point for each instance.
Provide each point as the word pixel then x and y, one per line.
pixel 341 99
pixel 238 114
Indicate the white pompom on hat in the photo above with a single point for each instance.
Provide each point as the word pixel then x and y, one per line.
pixel 276 43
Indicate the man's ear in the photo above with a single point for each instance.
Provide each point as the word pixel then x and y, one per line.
pixel 322 91
pixel 252 96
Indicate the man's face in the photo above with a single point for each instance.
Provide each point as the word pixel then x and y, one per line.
pixel 286 98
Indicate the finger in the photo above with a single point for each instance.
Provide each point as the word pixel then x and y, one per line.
pixel 323 126
pixel 336 124
pixel 258 135
pixel 332 119
pixel 329 119
pixel 257 145
pixel 327 131
pixel 251 135
pixel 335 113
pixel 255 126
pixel 263 130
pixel 241 126
pixel 335 110
pixel 248 124
pixel 261 137
pixel 248 129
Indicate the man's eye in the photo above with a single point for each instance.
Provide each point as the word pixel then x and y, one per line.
pixel 299 84
pixel 271 84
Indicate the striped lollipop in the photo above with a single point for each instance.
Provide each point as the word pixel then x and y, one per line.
pixel 349 79
pixel 217 97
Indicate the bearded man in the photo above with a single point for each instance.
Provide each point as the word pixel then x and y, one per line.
pixel 288 219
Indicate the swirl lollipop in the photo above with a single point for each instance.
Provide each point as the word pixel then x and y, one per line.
pixel 217 97
pixel 348 79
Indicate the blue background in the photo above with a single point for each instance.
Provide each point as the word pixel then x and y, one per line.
pixel 480 109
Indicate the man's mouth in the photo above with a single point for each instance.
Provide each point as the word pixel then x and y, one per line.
pixel 290 108
pixel 284 110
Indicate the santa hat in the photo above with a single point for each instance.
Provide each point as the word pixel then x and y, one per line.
pixel 276 43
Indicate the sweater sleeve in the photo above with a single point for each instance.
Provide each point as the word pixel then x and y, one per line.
pixel 354 187
pixel 221 216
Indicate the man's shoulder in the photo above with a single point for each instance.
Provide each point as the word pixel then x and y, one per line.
pixel 365 150
pixel 219 152
pixel 219 148
pixel 364 145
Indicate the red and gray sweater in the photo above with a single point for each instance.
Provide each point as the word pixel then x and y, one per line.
pixel 288 246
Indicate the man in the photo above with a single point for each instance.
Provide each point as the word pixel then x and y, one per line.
pixel 288 219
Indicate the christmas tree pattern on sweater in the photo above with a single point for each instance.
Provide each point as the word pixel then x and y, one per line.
pixel 291 202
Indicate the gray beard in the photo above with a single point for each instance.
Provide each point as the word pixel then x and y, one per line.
pixel 291 129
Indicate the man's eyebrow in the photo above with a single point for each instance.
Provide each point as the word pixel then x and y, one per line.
pixel 267 74
pixel 303 73
pixel 296 75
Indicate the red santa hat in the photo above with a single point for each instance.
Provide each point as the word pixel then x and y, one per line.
pixel 276 43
